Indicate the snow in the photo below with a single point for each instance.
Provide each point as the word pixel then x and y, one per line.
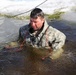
pixel 20 6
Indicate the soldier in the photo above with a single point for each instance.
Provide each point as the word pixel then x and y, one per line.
pixel 39 34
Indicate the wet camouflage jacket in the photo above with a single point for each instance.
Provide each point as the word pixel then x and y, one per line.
pixel 48 37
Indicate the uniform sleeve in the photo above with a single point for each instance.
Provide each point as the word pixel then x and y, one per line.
pixel 20 39
pixel 58 39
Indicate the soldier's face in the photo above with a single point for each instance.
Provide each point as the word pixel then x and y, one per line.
pixel 37 23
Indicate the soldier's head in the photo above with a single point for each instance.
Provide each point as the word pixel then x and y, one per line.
pixel 37 18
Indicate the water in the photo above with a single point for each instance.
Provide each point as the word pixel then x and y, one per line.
pixel 28 62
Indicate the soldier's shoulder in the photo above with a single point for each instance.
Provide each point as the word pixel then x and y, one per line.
pixel 24 27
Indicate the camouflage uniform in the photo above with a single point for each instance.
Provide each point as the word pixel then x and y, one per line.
pixel 48 37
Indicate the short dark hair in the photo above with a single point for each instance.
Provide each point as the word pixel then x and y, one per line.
pixel 37 12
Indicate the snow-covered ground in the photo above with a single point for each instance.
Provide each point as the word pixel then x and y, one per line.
pixel 20 6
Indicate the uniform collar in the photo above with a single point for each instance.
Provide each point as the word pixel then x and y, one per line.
pixel 44 28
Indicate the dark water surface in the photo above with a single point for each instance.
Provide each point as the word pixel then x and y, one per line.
pixel 26 62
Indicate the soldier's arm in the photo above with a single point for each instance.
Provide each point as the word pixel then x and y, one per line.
pixel 59 40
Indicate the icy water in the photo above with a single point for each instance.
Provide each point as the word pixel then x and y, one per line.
pixel 26 62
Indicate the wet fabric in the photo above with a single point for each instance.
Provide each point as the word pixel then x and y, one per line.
pixel 52 37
